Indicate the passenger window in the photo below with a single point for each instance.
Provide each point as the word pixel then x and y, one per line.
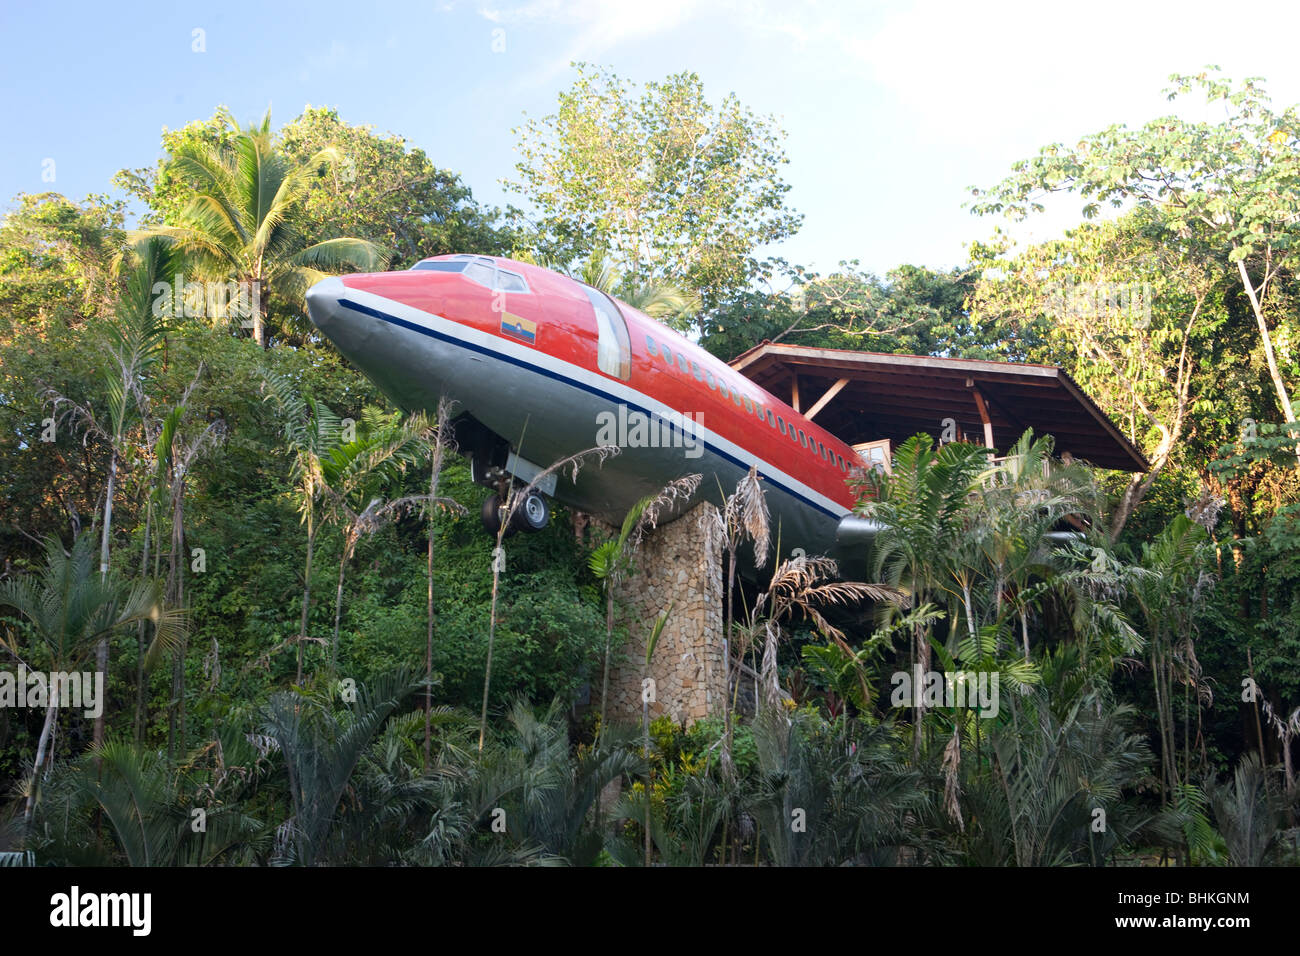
pixel 709 377
pixel 668 355
pixel 771 419
pixel 699 372
pixel 613 345
pixel 722 388
pixel 780 424
pixel 681 363
pixel 802 440
pixel 650 346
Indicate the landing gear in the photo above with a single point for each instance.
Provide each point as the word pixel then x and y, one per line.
pixel 491 514
pixel 531 514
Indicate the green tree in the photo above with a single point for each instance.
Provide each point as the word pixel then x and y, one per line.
pixel 133 342
pixel 311 432
pixel 1136 320
pixel 673 187
pixel 1228 193
pixel 70 607
pixel 389 193
pixel 243 221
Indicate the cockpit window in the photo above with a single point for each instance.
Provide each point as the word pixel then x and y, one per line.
pixel 511 282
pixel 441 265
pixel 482 271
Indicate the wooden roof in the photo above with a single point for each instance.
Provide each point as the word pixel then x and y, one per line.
pixel 881 395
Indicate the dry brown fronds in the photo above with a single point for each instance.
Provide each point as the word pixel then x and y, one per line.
pixel 745 515
pixel 952 779
pixel 600 454
pixel 677 490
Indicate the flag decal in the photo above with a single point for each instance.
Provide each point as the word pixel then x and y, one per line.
pixel 519 328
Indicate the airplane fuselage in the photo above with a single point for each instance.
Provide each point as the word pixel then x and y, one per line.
pixel 553 367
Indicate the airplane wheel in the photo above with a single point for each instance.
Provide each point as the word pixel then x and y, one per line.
pixel 491 514
pixel 533 514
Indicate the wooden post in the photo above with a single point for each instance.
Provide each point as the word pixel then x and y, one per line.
pixel 984 417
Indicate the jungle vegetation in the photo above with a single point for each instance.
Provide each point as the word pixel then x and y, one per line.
pixel 309 647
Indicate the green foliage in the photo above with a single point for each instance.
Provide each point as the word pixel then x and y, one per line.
pixel 669 186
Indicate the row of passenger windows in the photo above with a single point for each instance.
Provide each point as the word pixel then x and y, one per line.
pixel 773 420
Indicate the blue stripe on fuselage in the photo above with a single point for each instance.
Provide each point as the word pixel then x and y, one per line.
pixel 573 383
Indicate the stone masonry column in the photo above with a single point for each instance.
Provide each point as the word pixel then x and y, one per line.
pixel 679 563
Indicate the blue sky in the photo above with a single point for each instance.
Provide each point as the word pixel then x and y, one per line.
pixel 891 110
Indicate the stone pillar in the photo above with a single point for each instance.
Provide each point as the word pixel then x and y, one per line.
pixel 679 563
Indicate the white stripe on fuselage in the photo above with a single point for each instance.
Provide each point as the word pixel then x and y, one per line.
pixel 616 390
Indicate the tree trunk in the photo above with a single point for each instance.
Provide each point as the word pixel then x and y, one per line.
pixel 176 597
pixel 727 766
pixel 609 640
pixel 492 633
pixel 46 729
pixel 645 728
pixel 428 647
pixel 306 588
pixel 1283 397
pixel 435 471
pixel 142 630
pixel 101 651
pixel 348 542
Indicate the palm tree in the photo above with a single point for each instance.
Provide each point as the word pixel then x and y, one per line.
pixel 70 608
pixel 356 472
pixel 321 749
pixel 242 222
pixel 516 497
pixel 1248 813
pixel 550 794
pixel 175 453
pixel 1166 593
pixel 1025 498
pixel 134 341
pixel 744 516
pixel 311 432
pixel 822 801
pixel 150 815
pixel 1057 770
pixel 806 586
pixel 924 509
pixel 443 439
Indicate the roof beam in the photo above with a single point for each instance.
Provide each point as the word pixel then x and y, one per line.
pixel 826 397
